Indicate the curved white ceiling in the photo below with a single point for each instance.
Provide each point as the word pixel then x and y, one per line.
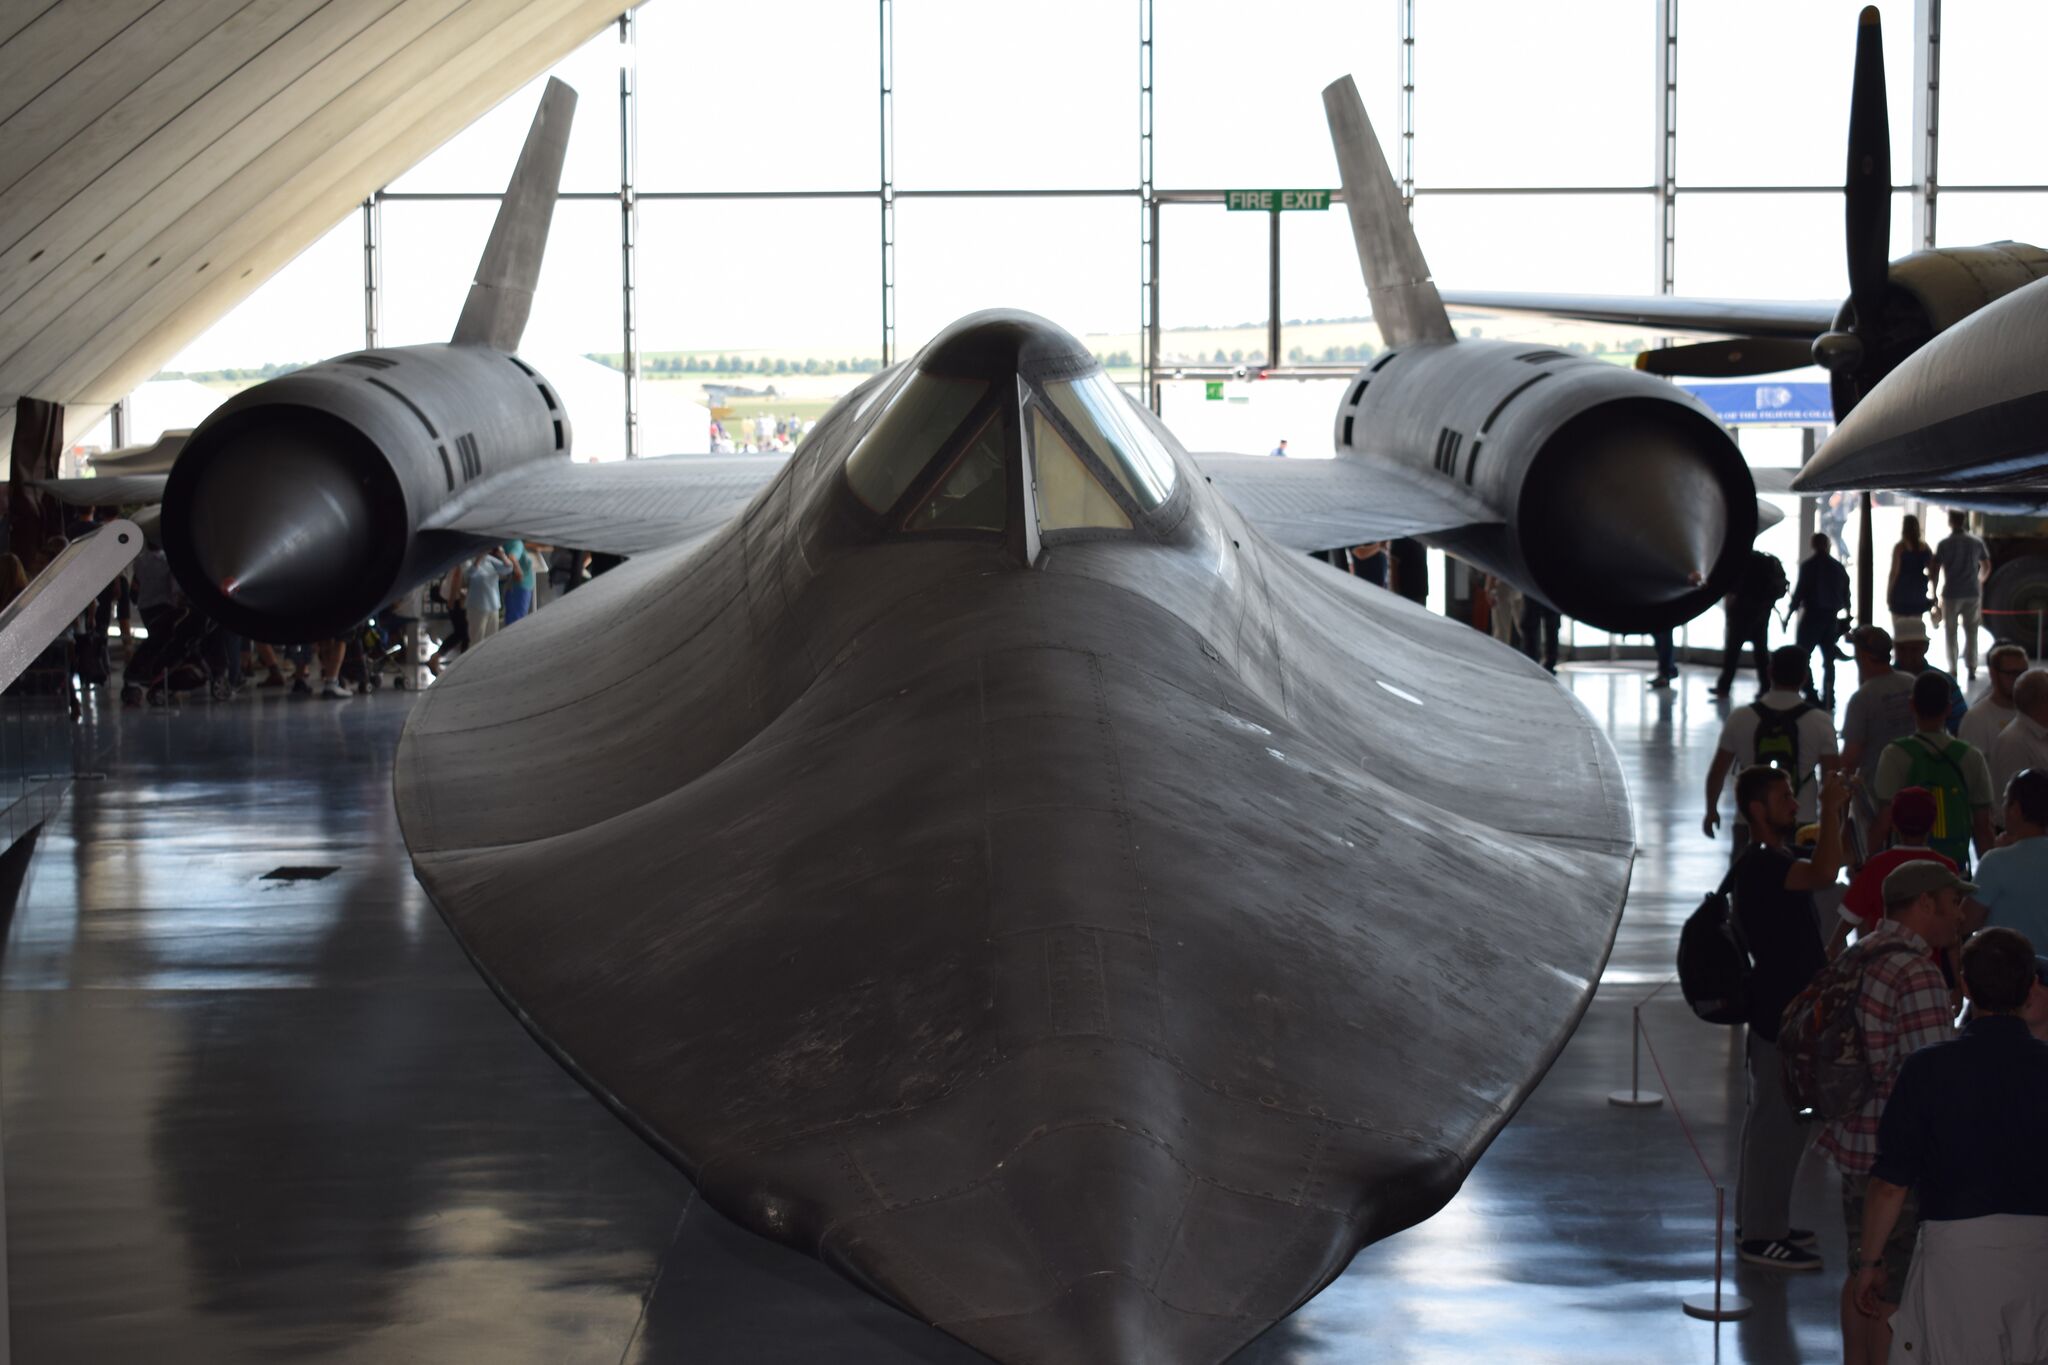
pixel 159 159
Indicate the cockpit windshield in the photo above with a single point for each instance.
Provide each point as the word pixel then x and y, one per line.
pixel 971 495
pixel 920 415
pixel 1005 415
pixel 1098 410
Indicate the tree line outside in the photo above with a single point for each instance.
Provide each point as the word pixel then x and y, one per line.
pixel 1184 345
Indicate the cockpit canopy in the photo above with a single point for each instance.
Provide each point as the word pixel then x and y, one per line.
pixel 1006 423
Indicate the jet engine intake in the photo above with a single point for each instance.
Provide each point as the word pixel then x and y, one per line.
pixel 285 523
pixel 1635 515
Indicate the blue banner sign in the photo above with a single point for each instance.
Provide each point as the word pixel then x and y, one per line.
pixel 1767 404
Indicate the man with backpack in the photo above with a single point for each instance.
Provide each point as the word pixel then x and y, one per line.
pixel 1954 772
pixel 1844 1039
pixel 1774 916
pixel 1781 729
pixel 1747 614
pixel 1821 597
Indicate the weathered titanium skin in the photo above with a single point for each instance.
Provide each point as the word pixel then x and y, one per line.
pixel 1088 958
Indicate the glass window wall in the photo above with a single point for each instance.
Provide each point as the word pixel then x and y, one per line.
pixel 1990 60
pixel 1560 103
pixel 1971 219
pixel 1771 246
pixel 769 95
pixel 752 309
pixel 1237 92
pixel 1213 270
pixel 1600 243
pixel 1074 261
pixel 1047 100
pixel 1763 90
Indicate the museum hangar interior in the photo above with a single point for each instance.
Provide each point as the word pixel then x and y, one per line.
pixel 656 985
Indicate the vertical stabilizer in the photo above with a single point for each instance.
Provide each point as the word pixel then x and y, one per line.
pixel 1404 301
pixel 495 313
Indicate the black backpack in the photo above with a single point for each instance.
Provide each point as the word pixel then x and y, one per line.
pixel 1777 739
pixel 1713 961
pixel 1771 581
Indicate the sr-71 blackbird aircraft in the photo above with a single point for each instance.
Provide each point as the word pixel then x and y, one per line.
pixel 985 853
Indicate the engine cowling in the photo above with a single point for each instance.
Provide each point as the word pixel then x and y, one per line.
pixel 296 508
pixel 1616 497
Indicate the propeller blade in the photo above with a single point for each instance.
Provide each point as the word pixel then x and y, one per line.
pixel 1867 191
pixel 1728 359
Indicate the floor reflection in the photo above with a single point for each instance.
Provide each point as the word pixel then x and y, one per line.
pixel 253 1121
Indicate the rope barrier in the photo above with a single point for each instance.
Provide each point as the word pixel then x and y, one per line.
pixel 1683 1126
pixel 1718 1306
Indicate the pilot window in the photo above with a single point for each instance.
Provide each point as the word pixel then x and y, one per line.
pixel 1069 496
pixel 972 495
pixel 921 414
pixel 1104 417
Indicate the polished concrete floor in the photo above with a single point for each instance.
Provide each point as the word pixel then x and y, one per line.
pixel 252 1119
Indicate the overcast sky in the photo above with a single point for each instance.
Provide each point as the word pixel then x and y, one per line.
pixel 782 95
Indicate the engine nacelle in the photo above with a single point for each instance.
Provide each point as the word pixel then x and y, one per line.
pixel 295 508
pixel 1615 496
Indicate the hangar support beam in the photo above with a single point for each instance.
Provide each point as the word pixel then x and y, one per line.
pixel 886 18
pixel 1667 147
pixel 1148 217
pixel 1926 117
pixel 629 225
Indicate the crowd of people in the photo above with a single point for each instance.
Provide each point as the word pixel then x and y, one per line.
pixel 168 648
pixel 763 433
pixel 1890 895
pixel 1927 585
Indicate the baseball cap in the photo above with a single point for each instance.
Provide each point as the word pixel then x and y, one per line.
pixel 1913 810
pixel 1921 877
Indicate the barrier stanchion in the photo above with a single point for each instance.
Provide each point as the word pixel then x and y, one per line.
pixel 1635 1097
pixel 1716 1307
pixel 1719 1306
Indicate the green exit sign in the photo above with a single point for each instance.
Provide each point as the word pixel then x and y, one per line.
pixel 1215 391
pixel 1277 201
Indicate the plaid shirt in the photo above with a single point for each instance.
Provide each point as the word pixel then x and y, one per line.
pixel 1902 1007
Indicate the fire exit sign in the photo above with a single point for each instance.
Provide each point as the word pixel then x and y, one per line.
pixel 1277 201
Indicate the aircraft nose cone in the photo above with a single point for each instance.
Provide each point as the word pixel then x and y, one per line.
pixel 275 516
pixel 1087 1217
pixel 1140 1222
pixel 1965 411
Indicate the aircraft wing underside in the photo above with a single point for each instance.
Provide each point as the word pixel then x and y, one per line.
pixel 1321 504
